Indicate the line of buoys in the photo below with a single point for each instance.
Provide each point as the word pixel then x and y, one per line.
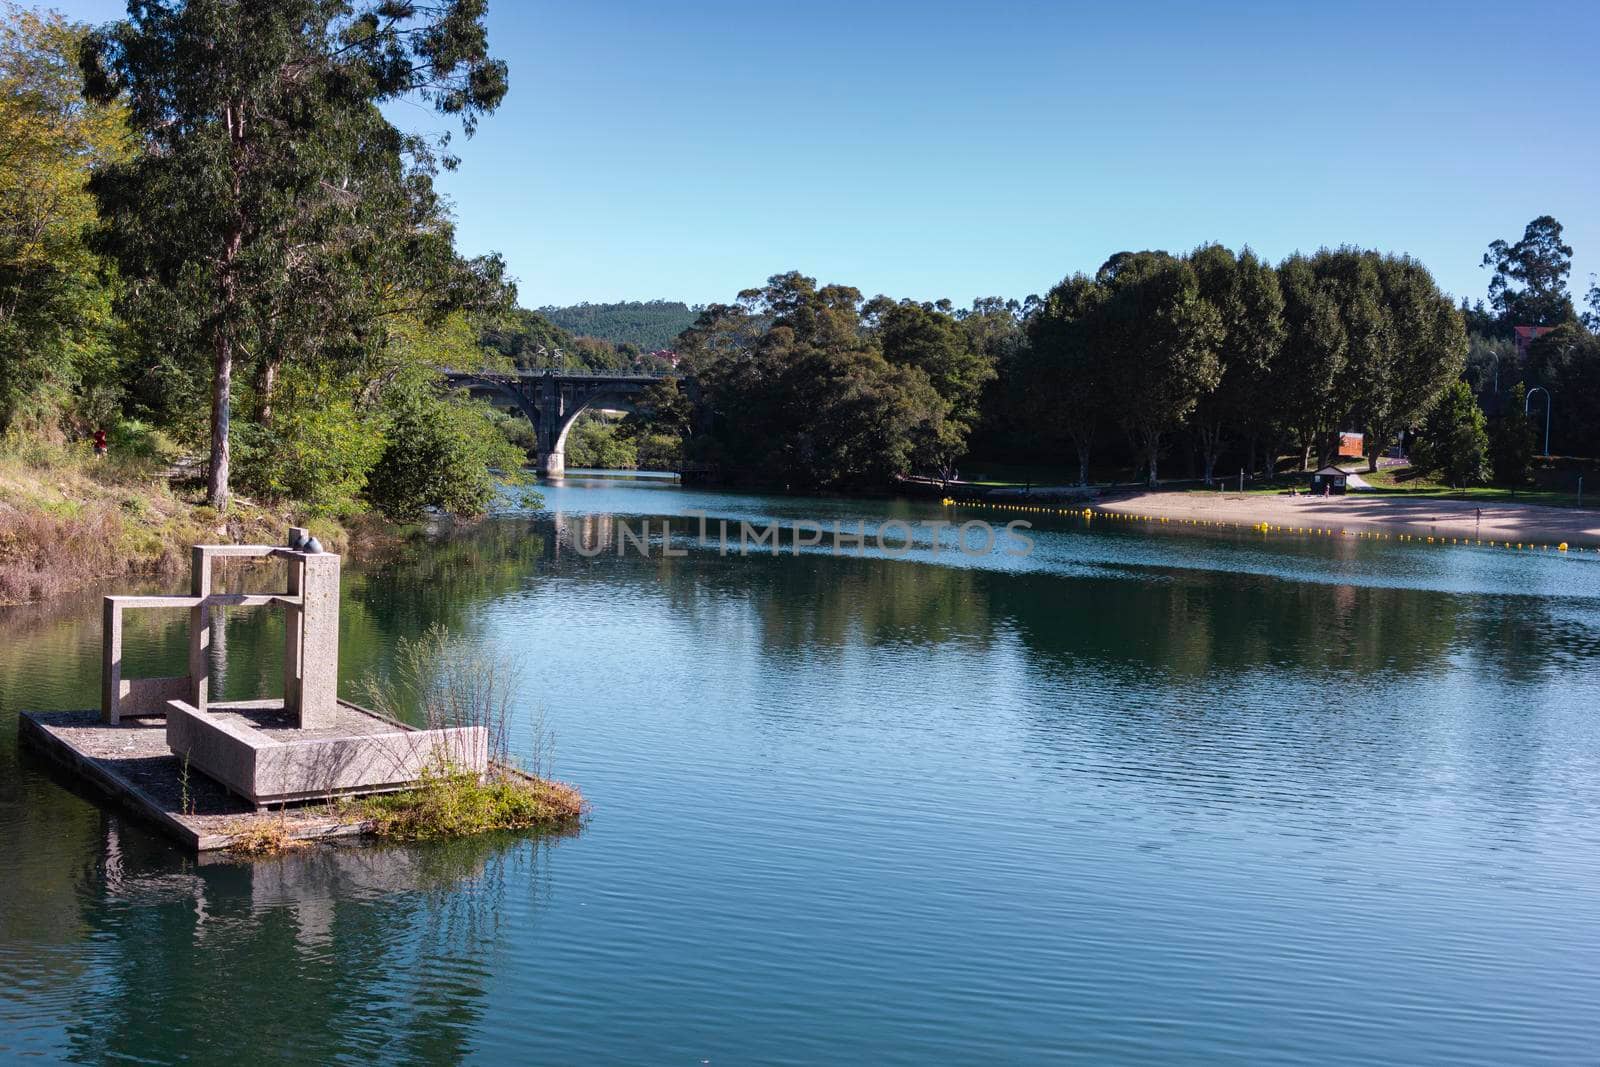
pixel 1261 527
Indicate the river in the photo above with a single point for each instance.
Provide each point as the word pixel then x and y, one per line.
pixel 1141 795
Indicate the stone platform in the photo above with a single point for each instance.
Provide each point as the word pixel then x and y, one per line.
pixel 131 761
pixel 256 750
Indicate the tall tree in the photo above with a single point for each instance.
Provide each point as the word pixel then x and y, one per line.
pixel 54 302
pixel 1428 350
pixel 1245 293
pixel 272 203
pixel 1302 387
pixel 1160 339
pixel 1364 388
pixel 1529 283
pixel 1064 372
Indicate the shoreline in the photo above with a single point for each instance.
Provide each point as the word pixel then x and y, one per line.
pixel 1524 523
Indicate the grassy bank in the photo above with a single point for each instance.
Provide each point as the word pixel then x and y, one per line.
pixel 68 518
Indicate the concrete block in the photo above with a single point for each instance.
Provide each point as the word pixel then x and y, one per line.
pixel 222 751
pixel 266 769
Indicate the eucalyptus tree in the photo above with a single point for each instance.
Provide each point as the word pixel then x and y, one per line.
pixel 1160 339
pixel 930 338
pixel 1529 283
pixel 273 211
pixel 1245 294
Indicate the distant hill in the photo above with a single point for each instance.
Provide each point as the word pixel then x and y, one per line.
pixel 530 340
pixel 649 324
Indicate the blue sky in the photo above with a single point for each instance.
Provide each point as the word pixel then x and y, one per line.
pixel 689 150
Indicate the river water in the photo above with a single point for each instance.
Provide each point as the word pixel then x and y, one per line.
pixel 1141 795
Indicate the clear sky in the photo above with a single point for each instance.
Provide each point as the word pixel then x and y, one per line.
pixel 689 150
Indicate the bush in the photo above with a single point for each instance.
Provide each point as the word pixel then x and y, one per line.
pixel 317 449
pixel 597 442
pixel 440 453
pixel 660 452
pixel 455 805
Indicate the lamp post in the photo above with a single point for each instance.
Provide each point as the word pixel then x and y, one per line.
pixel 1527 400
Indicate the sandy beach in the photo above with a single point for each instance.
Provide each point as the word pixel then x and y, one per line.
pixel 1353 513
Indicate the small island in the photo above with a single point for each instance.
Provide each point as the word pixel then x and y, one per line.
pixel 266 774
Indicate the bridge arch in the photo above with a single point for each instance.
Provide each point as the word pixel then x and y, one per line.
pixel 553 399
pixel 554 463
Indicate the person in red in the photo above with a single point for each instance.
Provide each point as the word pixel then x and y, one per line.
pixel 99 443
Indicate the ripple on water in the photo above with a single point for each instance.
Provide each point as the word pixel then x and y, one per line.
pixel 1142 799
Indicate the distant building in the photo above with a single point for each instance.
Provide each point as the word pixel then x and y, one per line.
pixel 1329 479
pixel 1523 337
pixel 1352 445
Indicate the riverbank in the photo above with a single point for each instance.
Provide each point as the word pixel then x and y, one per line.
pixel 1422 516
pixel 68 520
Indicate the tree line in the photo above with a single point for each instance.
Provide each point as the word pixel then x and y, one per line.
pixel 647 325
pixel 817 386
pixel 1215 358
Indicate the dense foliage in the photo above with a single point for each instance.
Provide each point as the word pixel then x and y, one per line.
pixel 1456 440
pixel 1530 336
pixel 273 215
pixel 810 386
pixel 56 328
pixel 647 325
pixel 203 207
pixel 1227 351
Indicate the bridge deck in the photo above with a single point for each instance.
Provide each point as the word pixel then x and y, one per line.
pixel 545 374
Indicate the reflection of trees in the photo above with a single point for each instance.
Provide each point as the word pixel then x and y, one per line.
pixel 1195 622
pixel 370 954
pixel 811 601
pixel 1177 621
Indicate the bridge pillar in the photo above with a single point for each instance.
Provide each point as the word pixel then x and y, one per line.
pixel 552 428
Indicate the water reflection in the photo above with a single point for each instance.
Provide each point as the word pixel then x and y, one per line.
pixel 1312 799
pixel 328 954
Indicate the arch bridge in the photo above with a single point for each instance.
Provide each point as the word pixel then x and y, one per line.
pixel 552 399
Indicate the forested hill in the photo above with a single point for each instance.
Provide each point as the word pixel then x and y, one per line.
pixel 650 324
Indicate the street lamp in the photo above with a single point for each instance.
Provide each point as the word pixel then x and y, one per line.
pixel 1528 399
